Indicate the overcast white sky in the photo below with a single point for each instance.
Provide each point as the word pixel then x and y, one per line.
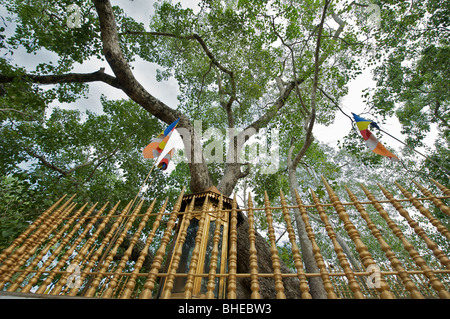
pixel 167 91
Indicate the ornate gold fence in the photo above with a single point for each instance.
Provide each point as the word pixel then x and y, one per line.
pixel 147 251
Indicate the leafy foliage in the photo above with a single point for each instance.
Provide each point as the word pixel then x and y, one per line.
pixel 412 78
pixel 96 156
pixel 16 208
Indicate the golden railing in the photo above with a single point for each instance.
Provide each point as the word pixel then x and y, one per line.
pixel 127 253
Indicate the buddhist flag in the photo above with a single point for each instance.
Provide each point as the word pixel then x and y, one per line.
pixel 371 141
pixel 165 160
pixel 155 148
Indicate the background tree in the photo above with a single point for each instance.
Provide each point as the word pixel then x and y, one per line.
pixel 412 75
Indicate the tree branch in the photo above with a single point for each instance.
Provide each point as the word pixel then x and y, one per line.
pixel 45 162
pixel 334 102
pixel 64 172
pixel 294 70
pixel 186 37
pixel 226 106
pixel 115 58
pixel 213 59
pixel 339 21
pixel 107 155
pixel 309 137
pixel 246 172
pixel 99 75
pixel 280 102
pixel 17 111
pixel 436 114
pixel 200 179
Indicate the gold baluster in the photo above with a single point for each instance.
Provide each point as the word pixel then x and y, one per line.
pixel 32 244
pixel 419 230
pixel 23 236
pixel 362 249
pixel 119 290
pixel 279 288
pixel 316 250
pixel 169 282
pixel 335 283
pixel 444 189
pixel 31 255
pixel 126 256
pixel 232 259
pixel 338 249
pixel 418 278
pixel 189 286
pixel 27 241
pixel 80 258
pixel 443 277
pixel 109 258
pixel 149 285
pixel 127 292
pixel 48 280
pixel 45 250
pixel 437 202
pixel 63 261
pixel 396 264
pixel 116 275
pixel 436 284
pixel 53 225
pixel 436 223
pixel 304 288
pixel 253 259
pixel 211 285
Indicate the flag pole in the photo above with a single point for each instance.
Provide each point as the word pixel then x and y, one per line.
pixel 165 136
pixel 443 168
pixel 145 180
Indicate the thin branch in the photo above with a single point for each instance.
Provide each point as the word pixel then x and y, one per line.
pixel 210 55
pixel 309 137
pixel 246 172
pixel 294 69
pixel 334 102
pixel 186 37
pixel 280 102
pixel 113 152
pixel 104 156
pixel 436 114
pixel 17 111
pixel 107 155
pixel 339 21
pixel 203 81
pixel 45 162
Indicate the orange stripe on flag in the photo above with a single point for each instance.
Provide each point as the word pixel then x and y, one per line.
pixel 151 150
pixel 381 150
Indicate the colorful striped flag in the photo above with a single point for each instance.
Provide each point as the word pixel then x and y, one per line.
pixel 155 148
pixel 371 141
pixel 165 160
